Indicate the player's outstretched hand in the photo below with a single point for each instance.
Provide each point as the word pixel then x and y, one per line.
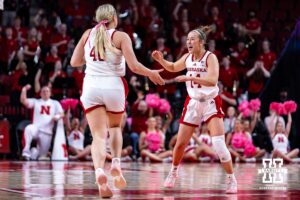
pixel 156 78
pixel 157 55
pixel 183 78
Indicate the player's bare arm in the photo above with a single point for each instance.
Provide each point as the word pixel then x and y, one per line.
pixel 77 59
pixel 133 64
pixel 177 66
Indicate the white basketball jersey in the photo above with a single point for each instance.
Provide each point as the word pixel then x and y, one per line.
pixel 198 68
pixel 76 140
pixel 205 138
pixel 114 63
pixel 280 142
pixel 43 113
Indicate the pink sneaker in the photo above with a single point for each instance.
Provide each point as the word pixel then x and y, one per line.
pixel 101 181
pixel 231 185
pixel 171 179
pixel 116 173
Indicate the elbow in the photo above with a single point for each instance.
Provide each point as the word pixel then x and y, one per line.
pixel 76 62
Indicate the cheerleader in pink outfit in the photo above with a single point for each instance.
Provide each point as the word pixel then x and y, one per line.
pixel 151 143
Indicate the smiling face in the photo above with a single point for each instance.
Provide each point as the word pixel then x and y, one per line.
pixel 193 42
pixel 151 122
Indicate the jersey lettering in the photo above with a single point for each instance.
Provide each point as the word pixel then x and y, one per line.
pixel 45 110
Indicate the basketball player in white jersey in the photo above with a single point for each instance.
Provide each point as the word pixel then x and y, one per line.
pixel 202 103
pixel 281 142
pixel 45 112
pixel 104 51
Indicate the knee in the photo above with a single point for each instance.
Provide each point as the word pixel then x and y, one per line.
pixel 30 128
pixel 220 148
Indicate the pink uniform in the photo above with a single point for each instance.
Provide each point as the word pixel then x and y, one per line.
pixel 42 127
pixel 202 103
pixel 103 83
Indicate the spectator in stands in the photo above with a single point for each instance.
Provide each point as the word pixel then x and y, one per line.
pixel 239 56
pixel 181 49
pixel 19 32
pixel 9 48
pixel 19 78
pixel 139 113
pixel 268 57
pixel 229 120
pixel 228 99
pixel 212 48
pixel 257 76
pixel 58 78
pixel 151 143
pixel 61 40
pixel 228 74
pixel 216 22
pixel 46 112
pixel 50 60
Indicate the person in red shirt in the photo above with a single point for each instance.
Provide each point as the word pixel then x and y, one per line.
pixel 228 99
pixel 253 25
pixel 19 32
pixel 181 50
pixel 217 23
pixel 239 56
pixel 228 74
pixel 212 48
pixel 9 48
pixel 78 75
pixel 58 79
pixel 32 44
pixel 257 75
pixel 61 40
pixel 139 113
pixel 51 59
pixel 268 57
pixel 46 32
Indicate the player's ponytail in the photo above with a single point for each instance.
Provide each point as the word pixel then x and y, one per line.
pixel 203 31
pixel 104 16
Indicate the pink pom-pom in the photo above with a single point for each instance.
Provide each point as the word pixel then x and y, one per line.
pixel 246 112
pixel 129 121
pixel 238 140
pixel 152 100
pixel 243 106
pixel 164 106
pixel 250 149
pixel 255 104
pixel 278 108
pixel 69 103
pixel 290 106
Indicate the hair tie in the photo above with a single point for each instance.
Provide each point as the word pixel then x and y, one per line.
pixel 102 23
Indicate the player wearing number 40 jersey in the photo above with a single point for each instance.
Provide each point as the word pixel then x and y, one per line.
pixel 104 51
pixel 202 105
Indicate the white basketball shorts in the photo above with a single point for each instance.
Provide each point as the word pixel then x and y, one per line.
pixel 109 92
pixel 195 112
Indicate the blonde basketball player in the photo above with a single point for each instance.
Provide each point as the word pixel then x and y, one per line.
pixel 202 103
pixel 104 51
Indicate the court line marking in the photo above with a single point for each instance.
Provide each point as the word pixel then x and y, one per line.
pixel 20 192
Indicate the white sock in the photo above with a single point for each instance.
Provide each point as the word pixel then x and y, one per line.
pixel 116 161
pixel 231 176
pixel 99 170
pixel 174 168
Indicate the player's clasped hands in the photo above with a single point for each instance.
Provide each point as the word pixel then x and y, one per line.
pixel 183 78
pixel 156 78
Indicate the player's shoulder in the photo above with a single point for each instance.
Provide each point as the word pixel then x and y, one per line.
pixel 121 35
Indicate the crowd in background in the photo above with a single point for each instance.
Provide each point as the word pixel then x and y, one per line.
pixel 38 37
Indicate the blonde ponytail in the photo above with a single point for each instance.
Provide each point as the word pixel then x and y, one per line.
pixel 104 16
pixel 203 31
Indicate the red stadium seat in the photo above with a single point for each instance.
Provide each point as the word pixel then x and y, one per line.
pixel 4 100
